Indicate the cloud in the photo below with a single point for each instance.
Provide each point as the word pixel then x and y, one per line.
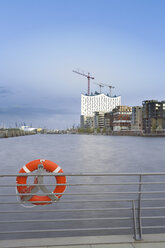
pixel 58 118
pixel 23 111
pixel 5 91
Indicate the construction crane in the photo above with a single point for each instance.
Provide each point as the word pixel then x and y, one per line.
pixel 100 85
pixel 110 88
pixel 88 77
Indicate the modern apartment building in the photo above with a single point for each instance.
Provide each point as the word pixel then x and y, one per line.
pixel 153 116
pixel 86 122
pixel 99 120
pixel 108 121
pixel 136 118
pixel 122 118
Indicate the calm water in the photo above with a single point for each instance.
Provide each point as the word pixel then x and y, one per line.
pixel 84 153
pixel 75 154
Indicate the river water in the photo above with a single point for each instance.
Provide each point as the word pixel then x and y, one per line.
pixel 76 154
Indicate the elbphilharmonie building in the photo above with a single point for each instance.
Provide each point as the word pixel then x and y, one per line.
pixel 99 102
pixel 94 107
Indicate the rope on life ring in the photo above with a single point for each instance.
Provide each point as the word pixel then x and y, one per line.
pixel 40 165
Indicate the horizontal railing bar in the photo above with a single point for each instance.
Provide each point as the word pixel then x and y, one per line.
pixel 84 174
pixel 65 220
pixel 153 199
pixel 67 230
pixel 151 208
pixel 71 184
pixel 78 210
pixel 71 201
pixel 85 201
pixel 153 217
pixel 152 227
pixel 82 184
pixel 63 210
pixel 43 194
pixel 94 193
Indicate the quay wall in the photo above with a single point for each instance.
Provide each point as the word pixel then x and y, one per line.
pixel 125 133
pixel 138 133
pixel 14 132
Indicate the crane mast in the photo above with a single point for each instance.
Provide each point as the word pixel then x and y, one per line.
pixel 100 85
pixel 110 88
pixel 87 76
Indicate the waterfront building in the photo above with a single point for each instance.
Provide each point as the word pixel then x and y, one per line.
pixel 153 116
pixel 98 103
pixel 28 129
pixel 136 118
pixel 86 122
pixel 108 120
pixel 122 118
pixel 99 120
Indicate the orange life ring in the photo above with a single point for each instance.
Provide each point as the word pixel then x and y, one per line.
pixel 48 166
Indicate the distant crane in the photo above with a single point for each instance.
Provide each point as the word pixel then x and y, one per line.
pixel 100 85
pixel 87 76
pixel 110 88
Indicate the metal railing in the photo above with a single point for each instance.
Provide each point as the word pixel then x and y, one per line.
pixel 104 203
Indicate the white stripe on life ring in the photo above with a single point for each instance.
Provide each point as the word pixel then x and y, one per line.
pixel 26 169
pixel 57 169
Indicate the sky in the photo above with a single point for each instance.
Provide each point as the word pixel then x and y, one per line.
pixel 120 42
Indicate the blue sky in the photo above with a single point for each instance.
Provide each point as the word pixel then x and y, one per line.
pixel 121 42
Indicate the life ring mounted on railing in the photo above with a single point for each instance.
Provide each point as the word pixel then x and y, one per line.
pixel 40 165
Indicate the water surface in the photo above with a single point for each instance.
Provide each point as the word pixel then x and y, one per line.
pixel 78 154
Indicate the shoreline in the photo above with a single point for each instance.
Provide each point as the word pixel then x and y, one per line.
pixel 125 133
pixel 13 132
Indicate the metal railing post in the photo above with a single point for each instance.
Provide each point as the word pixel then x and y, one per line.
pixel 134 220
pixel 139 207
pixel 138 228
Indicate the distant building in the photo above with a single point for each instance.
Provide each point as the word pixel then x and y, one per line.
pixel 28 129
pixel 86 122
pixel 98 103
pixel 99 120
pixel 108 121
pixel 153 116
pixel 136 118
pixel 39 130
pixel 122 118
